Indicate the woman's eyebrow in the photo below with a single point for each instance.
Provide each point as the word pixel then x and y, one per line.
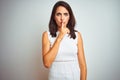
pixel 58 13
pixel 66 13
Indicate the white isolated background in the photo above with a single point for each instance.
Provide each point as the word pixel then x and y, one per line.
pixel 22 23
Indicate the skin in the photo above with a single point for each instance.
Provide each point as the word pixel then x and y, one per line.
pixel 49 53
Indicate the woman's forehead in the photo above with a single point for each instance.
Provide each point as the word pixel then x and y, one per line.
pixel 61 9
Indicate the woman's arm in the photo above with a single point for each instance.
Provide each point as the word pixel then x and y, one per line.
pixel 48 53
pixel 81 58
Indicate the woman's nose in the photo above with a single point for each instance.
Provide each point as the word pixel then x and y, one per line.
pixel 62 18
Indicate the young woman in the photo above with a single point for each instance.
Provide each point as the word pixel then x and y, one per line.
pixel 62 46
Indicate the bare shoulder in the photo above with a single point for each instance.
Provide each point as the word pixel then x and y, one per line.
pixel 44 33
pixel 80 41
pixel 79 35
pixel 45 36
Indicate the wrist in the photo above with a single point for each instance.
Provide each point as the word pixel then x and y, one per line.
pixel 59 39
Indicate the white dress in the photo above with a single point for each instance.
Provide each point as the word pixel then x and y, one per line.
pixel 65 65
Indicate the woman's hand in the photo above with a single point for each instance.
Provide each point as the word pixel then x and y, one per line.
pixel 63 30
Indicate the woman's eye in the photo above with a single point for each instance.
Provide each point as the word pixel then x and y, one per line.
pixel 58 14
pixel 66 14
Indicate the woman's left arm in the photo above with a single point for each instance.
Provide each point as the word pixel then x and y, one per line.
pixel 81 58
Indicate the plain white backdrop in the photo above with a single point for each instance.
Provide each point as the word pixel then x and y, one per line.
pixel 22 23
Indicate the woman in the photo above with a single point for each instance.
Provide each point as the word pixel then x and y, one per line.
pixel 62 46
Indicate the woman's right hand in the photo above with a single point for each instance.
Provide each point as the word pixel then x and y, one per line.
pixel 63 30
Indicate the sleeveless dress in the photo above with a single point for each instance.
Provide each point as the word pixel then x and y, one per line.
pixel 65 65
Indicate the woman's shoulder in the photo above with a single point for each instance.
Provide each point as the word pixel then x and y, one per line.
pixel 46 33
pixel 78 35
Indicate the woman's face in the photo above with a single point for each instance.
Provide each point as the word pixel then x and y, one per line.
pixel 62 16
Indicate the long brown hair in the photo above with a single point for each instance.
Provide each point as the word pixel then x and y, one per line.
pixel 71 23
